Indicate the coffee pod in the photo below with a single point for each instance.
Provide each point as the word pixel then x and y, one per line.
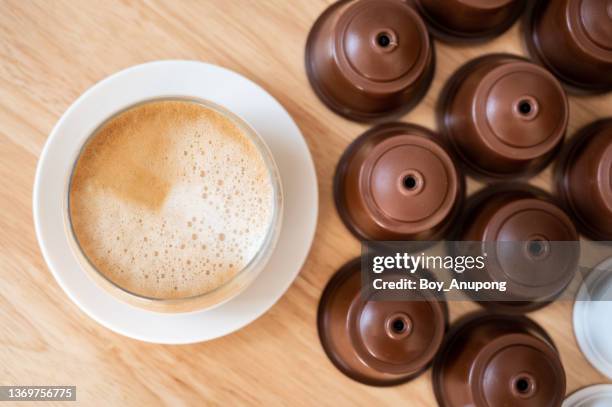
pixel 584 179
pixel 529 243
pixel 573 39
pixel 599 395
pixel 378 341
pixel 397 182
pixel 592 312
pixel 494 360
pixel 369 59
pixel 460 20
pixel 503 115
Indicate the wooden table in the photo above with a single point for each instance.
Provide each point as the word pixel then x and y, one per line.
pixel 52 51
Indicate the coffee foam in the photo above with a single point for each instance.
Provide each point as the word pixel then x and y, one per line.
pixel 170 199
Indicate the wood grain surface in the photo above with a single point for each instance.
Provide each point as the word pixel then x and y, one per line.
pixel 51 52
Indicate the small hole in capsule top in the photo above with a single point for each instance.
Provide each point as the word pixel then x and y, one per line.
pixel 522 385
pixel 383 40
pixel 398 326
pixel 525 107
pixel 409 182
pixel 536 248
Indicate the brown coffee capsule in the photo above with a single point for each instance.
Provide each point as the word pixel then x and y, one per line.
pixel 379 342
pixel 369 59
pixel 492 360
pixel 460 20
pixel 397 182
pixel 573 39
pixel 530 243
pixel 584 179
pixel 503 115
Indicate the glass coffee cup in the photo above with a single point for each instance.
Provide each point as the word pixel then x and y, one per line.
pixel 205 298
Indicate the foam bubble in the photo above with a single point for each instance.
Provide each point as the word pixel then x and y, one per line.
pixel 148 177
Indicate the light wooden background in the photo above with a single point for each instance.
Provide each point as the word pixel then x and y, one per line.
pixel 52 51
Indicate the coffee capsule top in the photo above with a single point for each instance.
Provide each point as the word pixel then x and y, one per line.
pixel 573 39
pixel 592 311
pixel 369 59
pixel 584 179
pixel 503 115
pixel 494 360
pixel 599 395
pixel 531 244
pixel 375 341
pixel 396 182
pixel 461 20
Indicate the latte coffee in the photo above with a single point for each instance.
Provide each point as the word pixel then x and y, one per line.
pixel 171 199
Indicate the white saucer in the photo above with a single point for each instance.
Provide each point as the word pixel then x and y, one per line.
pixel 599 395
pixel 592 317
pixel 165 79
